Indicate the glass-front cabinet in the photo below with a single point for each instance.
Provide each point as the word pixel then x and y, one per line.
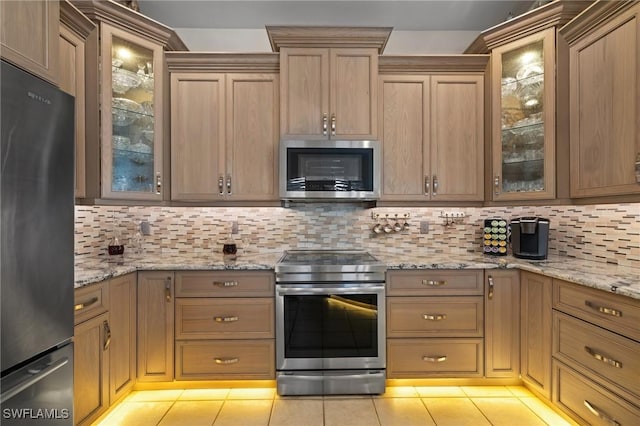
pixel 523 120
pixel 132 70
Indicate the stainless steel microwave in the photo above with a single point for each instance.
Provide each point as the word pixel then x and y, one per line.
pixel 331 170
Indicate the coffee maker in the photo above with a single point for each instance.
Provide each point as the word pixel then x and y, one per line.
pixel 530 237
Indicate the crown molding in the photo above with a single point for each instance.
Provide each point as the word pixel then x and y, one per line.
pixel 325 36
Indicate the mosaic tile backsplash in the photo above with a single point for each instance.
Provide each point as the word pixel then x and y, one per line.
pixel 605 233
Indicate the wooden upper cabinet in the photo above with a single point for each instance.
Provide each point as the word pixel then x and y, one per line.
pixel 329 93
pixel 431 128
pixel 252 131
pixel 224 127
pixel 604 105
pixel 404 131
pixel 457 139
pixel 329 80
pixel 77 34
pixel 29 36
pixel 197 136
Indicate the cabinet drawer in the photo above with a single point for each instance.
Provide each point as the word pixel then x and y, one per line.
pixel 415 358
pixel 434 282
pixel 224 284
pixel 589 403
pixel 617 313
pixel 90 301
pixel 615 359
pixel 225 318
pixel 435 316
pixel 225 359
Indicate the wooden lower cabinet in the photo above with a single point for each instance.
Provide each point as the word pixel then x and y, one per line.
pixel 535 332
pixel 122 362
pixel 91 369
pixel 433 357
pixel 587 402
pixel 225 359
pixel 502 323
pixel 155 326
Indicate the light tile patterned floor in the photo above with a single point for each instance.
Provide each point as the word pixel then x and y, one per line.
pixel 399 406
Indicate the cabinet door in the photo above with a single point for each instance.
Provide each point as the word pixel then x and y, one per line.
pixel 197 136
pixel 132 111
pixel 523 120
pixel 155 326
pixel 252 136
pixel 353 97
pixel 502 323
pixel 457 138
pixel 71 80
pixel 91 369
pixel 304 93
pixel 29 36
pixel 535 328
pixel 604 109
pixel 122 370
pixel 404 130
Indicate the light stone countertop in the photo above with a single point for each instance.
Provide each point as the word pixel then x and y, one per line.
pixel 603 276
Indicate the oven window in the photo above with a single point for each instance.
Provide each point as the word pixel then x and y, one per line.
pixel 331 326
pixel 326 169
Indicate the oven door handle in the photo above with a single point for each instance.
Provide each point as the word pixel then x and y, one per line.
pixel 291 290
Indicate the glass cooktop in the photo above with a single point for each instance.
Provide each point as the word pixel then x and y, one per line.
pixel 329 262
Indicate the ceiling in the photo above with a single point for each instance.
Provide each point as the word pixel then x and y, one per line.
pixel 455 15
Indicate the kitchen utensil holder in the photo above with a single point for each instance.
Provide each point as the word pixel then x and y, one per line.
pixel 384 225
pixel 452 218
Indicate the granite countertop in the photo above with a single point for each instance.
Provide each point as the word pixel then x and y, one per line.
pixel 603 276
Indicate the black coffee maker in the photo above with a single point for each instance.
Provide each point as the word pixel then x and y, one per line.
pixel 530 237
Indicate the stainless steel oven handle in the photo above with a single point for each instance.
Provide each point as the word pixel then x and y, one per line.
pixel 37 376
pixel 328 290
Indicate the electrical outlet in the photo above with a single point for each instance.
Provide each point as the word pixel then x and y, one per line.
pixel 145 228
pixel 234 227
pixel 424 227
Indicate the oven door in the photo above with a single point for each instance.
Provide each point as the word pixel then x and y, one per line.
pixel 330 326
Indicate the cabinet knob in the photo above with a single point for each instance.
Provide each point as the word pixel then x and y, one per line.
pixel 325 124
pixel 434 358
pixel 158 183
pixel 490 295
pixel 333 124
pixel 107 335
pixel 221 185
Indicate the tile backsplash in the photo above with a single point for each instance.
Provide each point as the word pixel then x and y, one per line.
pixel 604 233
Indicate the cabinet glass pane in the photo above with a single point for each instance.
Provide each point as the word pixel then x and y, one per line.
pixel 523 119
pixel 133 117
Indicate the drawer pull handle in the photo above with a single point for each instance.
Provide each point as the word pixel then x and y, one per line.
pixel 226 319
pixel 594 410
pixel 433 283
pixel 604 309
pixel 437 358
pixel 226 361
pixel 434 317
pixel 83 305
pixel 226 283
pixel 603 358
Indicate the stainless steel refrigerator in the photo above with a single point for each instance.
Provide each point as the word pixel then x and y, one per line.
pixel 36 287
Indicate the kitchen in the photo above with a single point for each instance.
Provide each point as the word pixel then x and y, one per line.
pixel 192 201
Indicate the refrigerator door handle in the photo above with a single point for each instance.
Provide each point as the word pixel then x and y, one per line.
pixel 35 378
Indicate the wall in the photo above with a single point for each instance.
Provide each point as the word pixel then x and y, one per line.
pixel 605 233
pixel 256 40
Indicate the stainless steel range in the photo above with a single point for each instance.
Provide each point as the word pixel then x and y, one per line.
pixel 330 323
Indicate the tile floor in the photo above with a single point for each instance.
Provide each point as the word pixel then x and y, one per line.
pixel 399 406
